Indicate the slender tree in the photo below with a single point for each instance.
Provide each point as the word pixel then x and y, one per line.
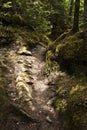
pixel 71 10
pixel 57 17
pixel 85 21
pixel 75 27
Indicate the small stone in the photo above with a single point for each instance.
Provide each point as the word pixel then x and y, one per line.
pixel 40 112
pixel 48 119
pixel 24 51
pixel 20 61
pixel 17 123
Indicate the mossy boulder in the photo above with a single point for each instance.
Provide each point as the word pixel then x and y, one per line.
pixel 70 52
pixel 24 51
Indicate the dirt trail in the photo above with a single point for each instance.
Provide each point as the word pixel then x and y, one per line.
pixel 31 89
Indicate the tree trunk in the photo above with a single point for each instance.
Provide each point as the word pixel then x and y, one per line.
pixel 71 10
pixel 75 27
pixel 85 22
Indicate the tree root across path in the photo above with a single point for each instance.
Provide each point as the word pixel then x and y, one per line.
pixel 29 89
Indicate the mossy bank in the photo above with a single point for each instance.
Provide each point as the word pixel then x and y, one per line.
pixel 68 56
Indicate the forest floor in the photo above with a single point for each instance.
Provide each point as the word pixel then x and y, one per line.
pixel 29 88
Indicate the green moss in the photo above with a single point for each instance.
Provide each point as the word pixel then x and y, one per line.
pixel 51 64
pixel 70 47
pixel 31 38
pixel 61 105
pixel 76 89
pixel 52 45
pixel 4 103
pixel 77 106
pixel 70 53
pixel 8 34
pixel 71 102
pixel 21 35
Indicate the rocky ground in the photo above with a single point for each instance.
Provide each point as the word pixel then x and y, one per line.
pixel 30 89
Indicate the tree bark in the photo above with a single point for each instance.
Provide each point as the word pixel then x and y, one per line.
pixel 71 10
pixel 85 22
pixel 75 27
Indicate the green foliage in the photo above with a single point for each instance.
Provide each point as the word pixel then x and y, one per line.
pixel 35 14
pixel 47 17
pixel 7 4
pixel 57 17
pixel 81 12
pixel 7 34
pixel 5 7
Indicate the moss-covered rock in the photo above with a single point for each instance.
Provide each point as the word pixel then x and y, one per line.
pixel 71 102
pixel 71 53
pixel 24 51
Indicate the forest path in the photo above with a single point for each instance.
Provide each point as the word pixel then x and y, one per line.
pixel 30 88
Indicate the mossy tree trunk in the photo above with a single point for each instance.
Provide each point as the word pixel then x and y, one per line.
pixel 85 22
pixel 70 11
pixel 75 27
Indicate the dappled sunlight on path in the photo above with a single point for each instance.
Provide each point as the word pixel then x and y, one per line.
pixel 28 88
